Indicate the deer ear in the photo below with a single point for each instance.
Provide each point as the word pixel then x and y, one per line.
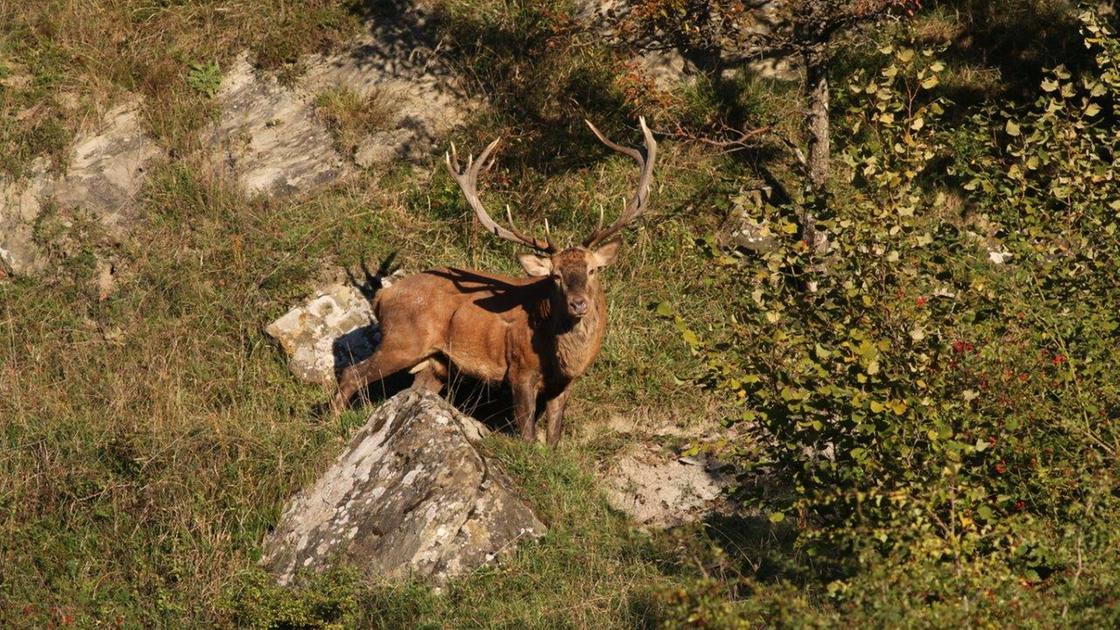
pixel 606 254
pixel 535 265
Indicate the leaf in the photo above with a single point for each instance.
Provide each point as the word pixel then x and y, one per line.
pixel 1049 85
pixel 1013 129
pixel 917 123
pixel 664 310
pixel 690 338
pixel 877 407
pixel 777 517
pixel 931 82
pixel 1092 109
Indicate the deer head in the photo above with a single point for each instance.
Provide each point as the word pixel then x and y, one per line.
pixel 574 270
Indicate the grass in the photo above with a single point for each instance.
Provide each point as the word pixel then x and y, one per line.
pixel 151 435
pixel 351 117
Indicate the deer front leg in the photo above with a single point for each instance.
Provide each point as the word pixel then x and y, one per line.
pixel 525 409
pixel 554 411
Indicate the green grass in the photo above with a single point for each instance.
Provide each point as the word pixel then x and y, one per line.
pixel 149 437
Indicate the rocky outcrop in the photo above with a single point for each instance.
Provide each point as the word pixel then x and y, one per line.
pixel 660 491
pixel 271 138
pixel 269 135
pixel 107 166
pixel 410 496
pixel 665 474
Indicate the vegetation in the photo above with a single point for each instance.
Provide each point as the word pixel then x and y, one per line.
pixel 925 413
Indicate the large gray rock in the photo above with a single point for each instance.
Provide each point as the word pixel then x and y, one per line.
pixel 410 496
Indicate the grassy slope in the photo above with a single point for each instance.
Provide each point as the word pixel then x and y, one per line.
pixel 150 438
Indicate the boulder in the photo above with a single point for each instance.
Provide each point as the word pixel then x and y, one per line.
pixel 334 329
pixel 410 496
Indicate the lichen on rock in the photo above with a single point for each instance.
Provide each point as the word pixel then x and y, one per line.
pixel 410 496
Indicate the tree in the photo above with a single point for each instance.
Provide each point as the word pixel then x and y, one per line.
pixel 722 34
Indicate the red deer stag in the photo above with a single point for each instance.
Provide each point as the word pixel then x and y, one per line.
pixel 538 333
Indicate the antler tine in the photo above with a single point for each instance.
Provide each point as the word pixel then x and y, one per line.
pixel 637 203
pixel 468 183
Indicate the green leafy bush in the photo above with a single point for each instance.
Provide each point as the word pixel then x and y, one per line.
pixel 940 389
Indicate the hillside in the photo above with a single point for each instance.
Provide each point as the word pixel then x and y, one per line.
pixel 899 378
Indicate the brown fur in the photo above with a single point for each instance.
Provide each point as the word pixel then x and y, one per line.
pixel 538 334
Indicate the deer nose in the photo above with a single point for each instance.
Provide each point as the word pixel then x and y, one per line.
pixel 578 306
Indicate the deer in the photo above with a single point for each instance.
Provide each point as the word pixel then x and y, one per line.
pixel 537 333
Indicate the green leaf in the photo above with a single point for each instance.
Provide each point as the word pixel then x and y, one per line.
pixel 664 310
pixel 777 517
pixel 1013 129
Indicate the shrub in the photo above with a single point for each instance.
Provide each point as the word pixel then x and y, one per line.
pixel 940 388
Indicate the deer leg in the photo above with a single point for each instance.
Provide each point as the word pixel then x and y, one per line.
pixel 554 411
pixel 385 361
pixel 432 377
pixel 525 410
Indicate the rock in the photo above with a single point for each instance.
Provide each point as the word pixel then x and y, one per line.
pixel 410 496
pixel 107 166
pixel 334 329
pixel 740 231
pixel 660 491
pixel 270 138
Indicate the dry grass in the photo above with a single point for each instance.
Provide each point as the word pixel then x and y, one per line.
pixel 150 437
pixel 67 59
pixel 351 117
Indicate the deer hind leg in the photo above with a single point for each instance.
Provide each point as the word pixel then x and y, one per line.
pixel 387 360
pixel 430 375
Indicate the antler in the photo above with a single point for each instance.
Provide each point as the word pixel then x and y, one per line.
pixel 468 182
pixel 637 203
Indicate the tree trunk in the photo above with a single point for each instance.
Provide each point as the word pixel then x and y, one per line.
pixel 820 145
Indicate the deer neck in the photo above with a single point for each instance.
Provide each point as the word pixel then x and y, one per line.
pixel 578 341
